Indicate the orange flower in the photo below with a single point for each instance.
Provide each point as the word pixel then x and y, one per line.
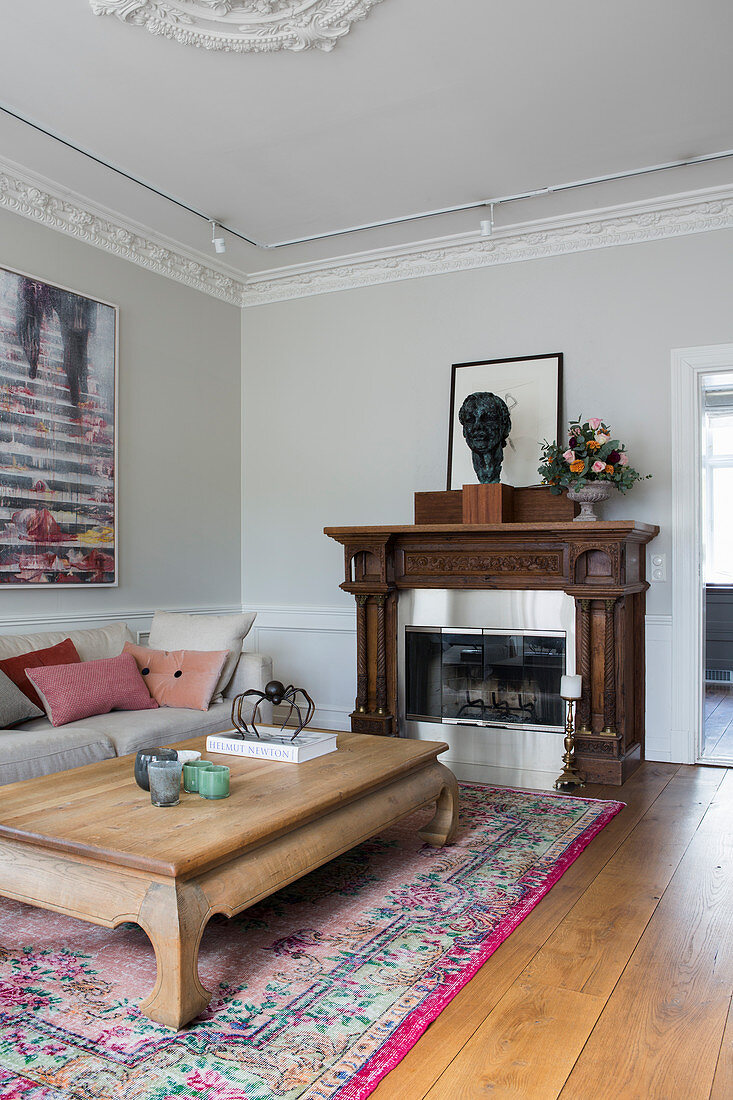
pixel 577 467
pixel 592 445
pixel 609 469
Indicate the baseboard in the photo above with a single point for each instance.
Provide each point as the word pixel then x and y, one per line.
pixel 326 717
pixel 660 754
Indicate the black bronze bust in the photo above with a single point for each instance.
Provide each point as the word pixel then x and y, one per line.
pixel 486 426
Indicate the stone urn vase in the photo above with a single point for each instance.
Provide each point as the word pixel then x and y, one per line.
pixel 589 495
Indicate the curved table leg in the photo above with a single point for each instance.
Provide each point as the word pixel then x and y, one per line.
pixel 442 828
pixel 174 917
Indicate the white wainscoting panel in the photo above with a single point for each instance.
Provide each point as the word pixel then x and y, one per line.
pixel 314 648
pixel 659 688
pixel 138 621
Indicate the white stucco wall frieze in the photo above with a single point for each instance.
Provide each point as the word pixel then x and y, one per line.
pixel 242 26
pixel 40 201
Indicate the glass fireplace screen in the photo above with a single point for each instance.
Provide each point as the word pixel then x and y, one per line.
pixel 484 677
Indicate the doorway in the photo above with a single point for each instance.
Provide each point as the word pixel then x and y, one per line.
pixel 702 553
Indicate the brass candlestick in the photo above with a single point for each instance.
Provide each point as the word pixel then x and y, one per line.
pixel 569 777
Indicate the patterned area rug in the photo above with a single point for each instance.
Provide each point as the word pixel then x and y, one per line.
pixel 318 991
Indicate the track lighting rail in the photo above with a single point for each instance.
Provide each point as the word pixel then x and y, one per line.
pixel 486 225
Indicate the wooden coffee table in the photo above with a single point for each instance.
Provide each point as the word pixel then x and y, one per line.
pixel 88 842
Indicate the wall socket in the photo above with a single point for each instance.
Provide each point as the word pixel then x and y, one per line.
pixel 659 567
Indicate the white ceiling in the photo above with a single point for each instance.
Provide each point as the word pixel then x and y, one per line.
pixel 426 103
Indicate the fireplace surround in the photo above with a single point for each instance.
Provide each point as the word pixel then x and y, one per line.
pixel 600 566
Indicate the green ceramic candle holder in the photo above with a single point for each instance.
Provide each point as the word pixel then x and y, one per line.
pixel 214 781
pixel 191 772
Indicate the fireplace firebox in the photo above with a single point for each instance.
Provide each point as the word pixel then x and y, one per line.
pixel 484 678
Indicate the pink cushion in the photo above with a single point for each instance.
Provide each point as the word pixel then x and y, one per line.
pixel 71 692
pixel 179 677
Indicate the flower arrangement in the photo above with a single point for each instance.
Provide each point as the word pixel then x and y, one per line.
pixel 591 455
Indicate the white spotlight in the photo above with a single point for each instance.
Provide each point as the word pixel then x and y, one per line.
pixel 487 225
pixel 219 243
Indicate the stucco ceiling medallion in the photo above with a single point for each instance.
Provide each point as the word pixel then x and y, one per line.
pixel 242 26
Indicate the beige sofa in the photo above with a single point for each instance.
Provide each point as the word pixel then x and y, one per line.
pixel 36 747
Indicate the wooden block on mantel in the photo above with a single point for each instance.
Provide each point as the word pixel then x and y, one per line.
pixel 531 504
pixel 488 503
pixel 445 507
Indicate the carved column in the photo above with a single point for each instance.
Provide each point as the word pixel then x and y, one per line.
pixel 381 686
pixel 584 709
pixel 609 671
pixel 362 684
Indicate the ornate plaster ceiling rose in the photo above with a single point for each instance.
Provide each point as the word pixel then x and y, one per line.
pixel 242 26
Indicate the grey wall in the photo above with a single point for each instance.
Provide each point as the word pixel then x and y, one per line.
pixel 179 472
pixel 346 394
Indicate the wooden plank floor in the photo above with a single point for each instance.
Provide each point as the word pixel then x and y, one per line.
pixel 718 726
pixel 619 984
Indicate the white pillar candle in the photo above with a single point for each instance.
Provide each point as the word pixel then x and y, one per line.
pixel 571 687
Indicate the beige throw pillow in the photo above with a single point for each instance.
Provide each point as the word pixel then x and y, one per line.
pixel 178 630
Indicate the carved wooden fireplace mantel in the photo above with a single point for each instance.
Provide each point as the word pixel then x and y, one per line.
pixel 601 565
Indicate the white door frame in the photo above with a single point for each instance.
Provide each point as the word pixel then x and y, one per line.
pixel 688 366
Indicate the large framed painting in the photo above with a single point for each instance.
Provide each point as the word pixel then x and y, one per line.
pixel 523 408
pixel 58 435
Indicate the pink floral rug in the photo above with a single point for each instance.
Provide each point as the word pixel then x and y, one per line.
pixel 318 991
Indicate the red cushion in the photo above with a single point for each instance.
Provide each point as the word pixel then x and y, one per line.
pixel 14 667
pixel 181 677
pixel 71 692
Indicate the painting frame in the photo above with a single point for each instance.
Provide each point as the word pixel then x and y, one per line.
pixel 544 422
pixel 104 378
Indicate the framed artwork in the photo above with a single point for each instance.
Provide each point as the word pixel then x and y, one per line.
pixel 58 436
pixel 530 387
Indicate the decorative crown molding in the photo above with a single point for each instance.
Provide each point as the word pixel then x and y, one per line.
pixel 42 201
pixel 630 223
pixel 242 26
pixel 25 193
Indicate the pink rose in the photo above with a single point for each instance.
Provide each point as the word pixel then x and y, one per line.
pixel 623 460
pixel 598 467
pixel 569 457
pixel 602 437
pixel 595 423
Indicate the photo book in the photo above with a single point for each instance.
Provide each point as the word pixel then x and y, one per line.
pixel 274 744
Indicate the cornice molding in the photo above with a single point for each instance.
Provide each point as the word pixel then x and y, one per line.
pixel 631 223
pixel 34 197
pixel 242 26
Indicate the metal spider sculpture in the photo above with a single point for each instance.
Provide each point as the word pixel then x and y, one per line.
pixel 275 692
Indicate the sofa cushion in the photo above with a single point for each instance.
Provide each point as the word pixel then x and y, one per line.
pixel 181 677
pixel 71 692
pixel 15 706
pixel 176 630
pixel 39 749
pixel 16 668
pixel 98 641
pixel 140 729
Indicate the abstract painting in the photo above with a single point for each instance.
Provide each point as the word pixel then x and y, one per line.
pixel 58 507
